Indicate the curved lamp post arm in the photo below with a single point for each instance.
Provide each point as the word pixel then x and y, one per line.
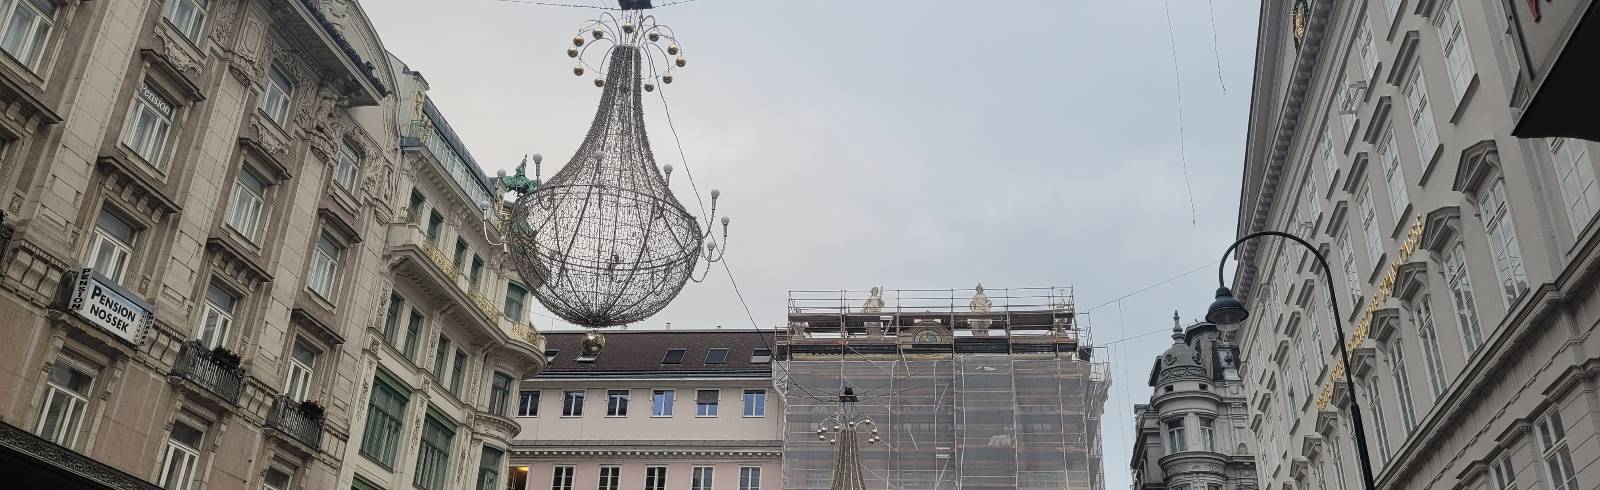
pixel 1338 323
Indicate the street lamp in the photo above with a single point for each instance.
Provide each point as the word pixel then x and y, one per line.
pixel 1227 310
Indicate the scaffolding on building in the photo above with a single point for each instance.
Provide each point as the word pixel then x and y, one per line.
pixel 974 389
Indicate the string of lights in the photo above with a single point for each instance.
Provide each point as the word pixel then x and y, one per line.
pixel 1183 153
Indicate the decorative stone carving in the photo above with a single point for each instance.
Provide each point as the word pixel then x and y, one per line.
pixel 175 53
pixel 223 13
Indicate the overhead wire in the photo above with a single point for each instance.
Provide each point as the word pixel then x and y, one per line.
pixel 1177 73
pixel 1215 52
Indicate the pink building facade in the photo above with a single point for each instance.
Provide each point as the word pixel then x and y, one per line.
pixel 657 410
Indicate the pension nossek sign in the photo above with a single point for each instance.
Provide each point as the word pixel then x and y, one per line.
pixel 1374 304
pixel 101 302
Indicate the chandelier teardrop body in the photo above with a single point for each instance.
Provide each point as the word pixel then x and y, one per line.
pixel 604 242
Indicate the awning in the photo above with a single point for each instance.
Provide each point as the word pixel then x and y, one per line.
pixel 1567 103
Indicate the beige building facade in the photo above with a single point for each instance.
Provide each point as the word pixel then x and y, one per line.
pixel 206 206
pixel 1398 137
pixel 1189 434
pixel 658 410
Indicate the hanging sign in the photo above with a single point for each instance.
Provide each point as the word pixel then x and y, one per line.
pixel 101 302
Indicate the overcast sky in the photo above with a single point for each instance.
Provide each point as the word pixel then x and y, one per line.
pixel 927 144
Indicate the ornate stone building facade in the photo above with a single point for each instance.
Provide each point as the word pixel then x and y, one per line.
pixel 202 203
pixel 1394 135
pixel 1194 433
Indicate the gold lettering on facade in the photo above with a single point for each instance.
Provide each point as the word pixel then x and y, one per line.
pixel 1375 303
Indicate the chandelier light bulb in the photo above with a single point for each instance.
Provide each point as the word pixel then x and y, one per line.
pixel 666 79
pixel 681 62
pixel 599 82
pixel 598 33
pixel 654 36
pixel 725 223
pixel 627 28
pixel 577 41
pixel 672 49
pixel 572 52
pixel 577 70
pixel 649 87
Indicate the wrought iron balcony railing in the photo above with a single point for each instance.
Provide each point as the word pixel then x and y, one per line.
pixel 289 417
pixel 206 368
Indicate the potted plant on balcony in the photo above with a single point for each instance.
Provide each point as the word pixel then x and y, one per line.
pixel 228 359
pixel 312 409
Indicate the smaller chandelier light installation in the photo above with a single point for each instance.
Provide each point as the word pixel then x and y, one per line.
pixel 604 242
pixel 842 429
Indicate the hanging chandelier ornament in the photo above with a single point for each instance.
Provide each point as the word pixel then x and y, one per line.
pixel 604 242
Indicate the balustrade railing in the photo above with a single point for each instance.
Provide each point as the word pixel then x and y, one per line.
pixel 289 416
pixel 207 368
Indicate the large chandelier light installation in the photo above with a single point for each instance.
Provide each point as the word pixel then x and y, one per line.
pixel 604 242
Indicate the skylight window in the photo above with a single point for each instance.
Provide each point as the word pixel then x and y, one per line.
pixel 761 356
pixel 674 356
pixel 716 356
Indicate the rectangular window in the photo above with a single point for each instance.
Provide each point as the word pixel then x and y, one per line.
pixel 561 478
pixel 385 408
pixel 1553 448
pixel 1345 102
pixel 1368 51
pixel 1425 129
pixel 661 403
pixel 413 335
pixel 1312 209
pixel 617 403
pixel 1575 171
pixel 1402 386
pixel 65 399
pixel 1505 478
pixel 1208 434
pixel 516 298
pixel 572 403
pixel 277 478
pixel 716 356
pixel 489 468
pixel 1455 275
pixel 475 274
pixel 1422 313
pixel 459 259
pixel 27 26
pixel 500 394
pixel 348 165
pixel 181 457
pixel 457 371
pixel 249 198
pixel 700 478
pixel 441 359
pixel 302 364
pixel 610 478
pixel 749 478
pixel 1453 40
pixel 674 356
pixel 528 403
pixel 435 227
pixel 1394 8
pixel 1330 165
pixel 111 247
pixel 216 316
pixel 325 266
pixel 433 457
pixel 705 403
pixel 414 210
pixel 1352 279
pixel 278 92
pixel 755 403
pixel 1176 438
pixel 655 478
pixel 1494 208
pixel 761 356
pixel 1376 402
pixel 189 16
pixel 1393 176
pixel 1369 227
pixel 391 321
